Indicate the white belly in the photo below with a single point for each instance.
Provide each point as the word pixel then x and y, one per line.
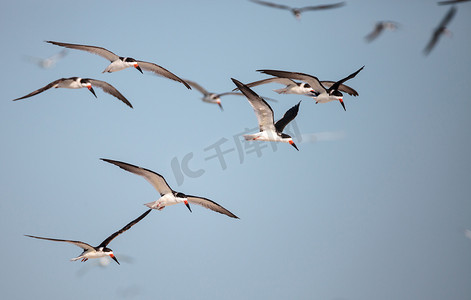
pixel 117 65
pixel 165 200
pixel 268 136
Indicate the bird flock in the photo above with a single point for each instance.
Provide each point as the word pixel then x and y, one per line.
pixel 321 91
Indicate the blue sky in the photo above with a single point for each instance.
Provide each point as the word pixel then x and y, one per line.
pixel 376 208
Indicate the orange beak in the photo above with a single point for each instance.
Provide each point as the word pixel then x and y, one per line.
pixel 90 88
pixel 219 103
pixel 137 67
pixel 343 105
pixel 114 258
pixel 187 205
pixel 293 144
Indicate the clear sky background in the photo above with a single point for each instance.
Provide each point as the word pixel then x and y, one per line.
pixel 375 208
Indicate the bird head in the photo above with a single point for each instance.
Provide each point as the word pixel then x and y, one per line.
pixel 109 252
pixel 184 198
pixel 133 62
pixel 339 96
pixel 288 139
pixel 88 85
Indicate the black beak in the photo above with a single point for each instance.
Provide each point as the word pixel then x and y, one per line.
pixel 139 68
pixel 294 145
pixel 188 205
pixel 343 104
pixel 220 106
pixel 115 259
pixel 92 91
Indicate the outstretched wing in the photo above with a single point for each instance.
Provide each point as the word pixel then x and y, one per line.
pixel 157 180
pixel 270 4
pixel 197 87
pixel 151 67
pixel 285 81
pixel 108 88
pixel 92 49
pixel 80 244
pixel 336 85
pixel 319 7
pixel 44 88
pixel 262 110
pixel 311 80
pixel 125 228
pixel 210 205
pixel 289 115
pixel 342 88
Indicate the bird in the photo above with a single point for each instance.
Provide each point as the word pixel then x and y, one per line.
pixel 329 91
pixel 119 63
pixel 440 30
pixel 100 250
pixel 49 62
pixel 451 2
pixel 297 11
pixel 293 87
pixel 167 195
pixel 269 130
pixel 380 26
pixel 77 83
pixel 208 96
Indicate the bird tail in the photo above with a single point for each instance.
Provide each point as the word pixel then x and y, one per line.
pixel 154 205
pixel 280 91
pixel 250 137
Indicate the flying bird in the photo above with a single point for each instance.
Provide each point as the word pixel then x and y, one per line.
pixel 293 87
pixel 208 96
pixel 167 195
pixel 451 2
pixel 49 62
pixel 380 26
pixel 269 130
pixel 77 83
pixel 119 63
pixel 213 97
pixel 100 250
pixel 440 30
pixel 330 91
pixel 297 11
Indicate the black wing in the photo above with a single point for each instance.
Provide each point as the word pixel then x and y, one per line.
pixel 131 224
pixel 439 30
pixel 450 14
pixel 210 205
pixel 44 88
pixel 451 2
pixel 80 244
pixel 336 85
pixel 318 7
pixel 270 4
pixel 289 115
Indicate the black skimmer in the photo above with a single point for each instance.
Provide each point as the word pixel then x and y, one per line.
pixel 380 26
pixel 208 96
pixel 440 30
pixel 167 195
pixel 297 11
pixel 269 130
pixel 77 83
pixel 324 92
pixel 100 250
pixel 293 87
pixel 49 62
pixel 451 2
pixel 119 63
